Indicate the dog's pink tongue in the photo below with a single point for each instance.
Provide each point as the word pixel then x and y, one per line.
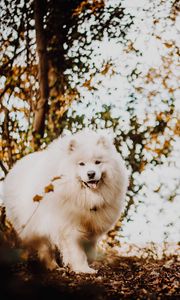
pixel 94 185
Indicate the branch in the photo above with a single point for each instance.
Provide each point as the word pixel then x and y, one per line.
pixel 7 136
pixel 3 168
pixel 40 111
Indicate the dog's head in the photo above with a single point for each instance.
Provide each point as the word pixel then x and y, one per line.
pixel 90 172
pixel 90 153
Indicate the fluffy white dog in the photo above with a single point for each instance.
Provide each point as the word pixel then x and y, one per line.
pixel 67 196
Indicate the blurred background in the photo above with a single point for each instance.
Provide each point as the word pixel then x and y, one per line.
pixel 102 64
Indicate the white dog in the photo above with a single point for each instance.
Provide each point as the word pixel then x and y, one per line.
pixel 67 196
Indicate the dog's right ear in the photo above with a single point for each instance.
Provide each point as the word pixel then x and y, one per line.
pixel 72 145
pixel 103 141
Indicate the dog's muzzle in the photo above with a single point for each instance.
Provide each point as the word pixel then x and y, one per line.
pixel 91 184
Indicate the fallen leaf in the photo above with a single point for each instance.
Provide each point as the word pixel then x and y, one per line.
pixel 37 198
pixel 49 188
pixel 56 178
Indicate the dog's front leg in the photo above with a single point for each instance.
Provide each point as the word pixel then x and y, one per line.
pixel 74 255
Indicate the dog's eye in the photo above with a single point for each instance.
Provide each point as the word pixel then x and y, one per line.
pixel 81 163
pixel 97 162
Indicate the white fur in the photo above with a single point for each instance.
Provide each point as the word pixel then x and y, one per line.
pixel 74 216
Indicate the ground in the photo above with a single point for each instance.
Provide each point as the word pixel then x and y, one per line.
pixel 117 278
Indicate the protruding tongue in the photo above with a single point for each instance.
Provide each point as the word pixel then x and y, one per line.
pixel 92 185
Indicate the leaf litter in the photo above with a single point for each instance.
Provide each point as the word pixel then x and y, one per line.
pixel 118 277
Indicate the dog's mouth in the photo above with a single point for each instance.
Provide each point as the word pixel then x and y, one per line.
pixel 92 184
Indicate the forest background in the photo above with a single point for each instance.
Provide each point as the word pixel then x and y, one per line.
pixel 66 65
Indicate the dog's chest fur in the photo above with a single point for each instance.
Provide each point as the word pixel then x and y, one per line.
pixel 97 220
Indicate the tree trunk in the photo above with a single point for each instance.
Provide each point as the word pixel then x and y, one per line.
pixel 7 138
pixel 42 104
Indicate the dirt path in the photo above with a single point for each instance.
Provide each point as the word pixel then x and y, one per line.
pixel 117 278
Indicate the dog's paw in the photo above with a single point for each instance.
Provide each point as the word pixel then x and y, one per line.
pixel 91 271
pixel 86 270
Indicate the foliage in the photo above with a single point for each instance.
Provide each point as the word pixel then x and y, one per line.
pixel 65 26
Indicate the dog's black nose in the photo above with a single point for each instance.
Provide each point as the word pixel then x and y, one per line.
pixel 91 174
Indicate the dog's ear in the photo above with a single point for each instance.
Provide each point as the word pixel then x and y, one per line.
pixel 72 145
pixel 103 141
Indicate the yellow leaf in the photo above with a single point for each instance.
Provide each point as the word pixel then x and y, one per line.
pixel 87 84
pixel 37 198
pixel 56 178
pixel 106 69
pixel 49 188
pixel 168 45
pixel 112 233
pixel 142 166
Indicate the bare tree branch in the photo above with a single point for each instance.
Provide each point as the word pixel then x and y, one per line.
pixel 3 168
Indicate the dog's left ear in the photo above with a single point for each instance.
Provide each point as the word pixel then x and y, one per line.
pixel 72 145
pixel 103 141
